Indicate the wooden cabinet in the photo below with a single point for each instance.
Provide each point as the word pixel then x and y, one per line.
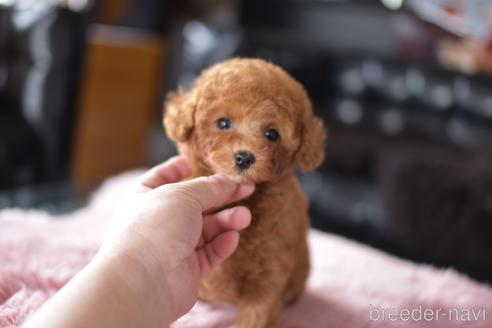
pixel 119 102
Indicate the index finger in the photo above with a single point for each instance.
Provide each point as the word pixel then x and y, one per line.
pixel 173 170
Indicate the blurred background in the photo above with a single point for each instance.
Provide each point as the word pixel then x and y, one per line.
pixel 404 87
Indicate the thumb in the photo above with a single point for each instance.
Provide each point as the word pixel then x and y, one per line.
pixel 211 192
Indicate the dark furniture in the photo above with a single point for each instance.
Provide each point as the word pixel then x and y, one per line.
pixel 41 52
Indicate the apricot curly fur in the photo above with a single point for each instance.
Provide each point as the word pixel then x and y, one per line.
pixel 271 264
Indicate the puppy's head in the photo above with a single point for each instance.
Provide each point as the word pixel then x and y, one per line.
pixel 248 119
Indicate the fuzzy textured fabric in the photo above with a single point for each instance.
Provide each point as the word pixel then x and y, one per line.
pixel 39 254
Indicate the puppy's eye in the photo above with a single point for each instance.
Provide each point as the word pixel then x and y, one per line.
pixel 224 123
pixel 271 134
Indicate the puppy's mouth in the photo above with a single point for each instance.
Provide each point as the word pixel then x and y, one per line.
pixel 240 170
pixel 238 175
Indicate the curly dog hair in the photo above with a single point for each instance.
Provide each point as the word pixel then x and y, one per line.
pixel 250 120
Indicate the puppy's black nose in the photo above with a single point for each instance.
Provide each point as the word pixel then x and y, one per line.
pixel 244 159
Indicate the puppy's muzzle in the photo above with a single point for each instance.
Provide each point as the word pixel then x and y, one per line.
pixel 244 159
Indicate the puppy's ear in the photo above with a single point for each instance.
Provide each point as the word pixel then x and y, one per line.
pixel 179 112
pixel 311 152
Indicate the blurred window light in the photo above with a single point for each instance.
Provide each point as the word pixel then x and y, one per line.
pixel 462 90
pixel 392 4
pixel 24 18
pixel 398 88
pixel 73 5
pixel 372 71
pixel 199 37
pixel 352 81
pixel 392 122
pixel 26 4
pixel 415 81
pixel 7 2
pixel 458 130
pixel 78 5
pixel 349 112
pixel 441 96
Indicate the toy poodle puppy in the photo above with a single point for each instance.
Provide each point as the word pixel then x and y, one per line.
pixel 250 120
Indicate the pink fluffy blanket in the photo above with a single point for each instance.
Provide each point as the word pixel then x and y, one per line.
pixel 351 285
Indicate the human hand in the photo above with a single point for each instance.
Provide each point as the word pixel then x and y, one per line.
pixel 146 272
pixel 163 236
